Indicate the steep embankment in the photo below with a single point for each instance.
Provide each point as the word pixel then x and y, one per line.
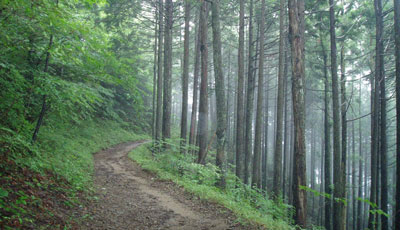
pixel 45 186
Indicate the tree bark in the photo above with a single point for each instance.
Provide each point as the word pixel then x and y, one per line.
pixel 296 31
pixel 167 97
pixel 286 127
pixel 397 53
pixel 159 72
pixel 219 91
pixel 380 70
pixel 153 120
pixel 277 184
pixel 185 78
pixel 240 111
pixel 327 135
pixel 203 106
pixel 344 132
pixel 193 119
pixel 360 169
pixel 256 180
pixel 338 207
pixel 250 100
pixel 266 136
pixel 374 149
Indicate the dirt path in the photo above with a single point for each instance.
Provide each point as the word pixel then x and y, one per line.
pixel 130 198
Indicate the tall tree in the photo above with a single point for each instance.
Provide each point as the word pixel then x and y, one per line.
pixel 203 105
pixel 153 118
pixel 360 168
pixel 239 107
pixel 185 77
pixel 219 91
pixel 380 75
pixel 327 144
pixel 296 34
pixel 343 109
pixel 249 100
pixel 159 71
pixel 167 92
pixel 397 53
pixel 338 208
pixel 277 185
pixel 256 180
pixel 193 120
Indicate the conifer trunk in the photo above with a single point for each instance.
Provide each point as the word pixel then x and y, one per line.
pixel 397 53
pixel 193 118
pixel 239 107
pixel 296 31
pixel 219 91
pixel 167 92
pixel 185 78
pixel 250 100
pixel 277 184
pixel 203 106
pixel 256 180
pixel 159 72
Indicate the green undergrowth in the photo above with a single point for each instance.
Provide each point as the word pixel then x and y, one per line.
pixel 69 152
pixel 249 205
pixel 41 182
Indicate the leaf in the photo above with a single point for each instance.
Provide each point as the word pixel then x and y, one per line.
pixel 3 193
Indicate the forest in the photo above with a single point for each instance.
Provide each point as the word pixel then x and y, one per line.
pixel 200 114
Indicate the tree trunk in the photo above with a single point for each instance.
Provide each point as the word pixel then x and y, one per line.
pixel 240 111
pixel 185 78
pixel 344 133
pixel 250 100
pixel 203 106
pixel 286 127
pixel 338 207
pixel 277 185
pixel 353 172
pixel 296 30
pixel 312 173
pixel 44 98
pixel 266 136
pixel 219 91
pixel 327 135
pixel 193 119
pixel 153 120
pixel 397 52
pixel 167 97
pixel 360 169
pixel 256 179
pixel 383 140
pixel 374 150
pixel 159 73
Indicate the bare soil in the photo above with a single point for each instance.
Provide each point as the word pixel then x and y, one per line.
pixel 131 198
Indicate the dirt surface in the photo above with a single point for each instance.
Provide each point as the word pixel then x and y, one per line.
pixel 130 198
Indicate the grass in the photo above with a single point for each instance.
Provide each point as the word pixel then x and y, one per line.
pixel 248 205
pixel 68 151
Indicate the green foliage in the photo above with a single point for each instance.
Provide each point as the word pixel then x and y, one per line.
pixel 250 205
pixel 86 76
pixel 66 151
pixel 373 206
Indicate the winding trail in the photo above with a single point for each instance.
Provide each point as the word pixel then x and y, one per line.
pixel 130 198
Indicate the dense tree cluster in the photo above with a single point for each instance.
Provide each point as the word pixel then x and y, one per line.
pixel 319 75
